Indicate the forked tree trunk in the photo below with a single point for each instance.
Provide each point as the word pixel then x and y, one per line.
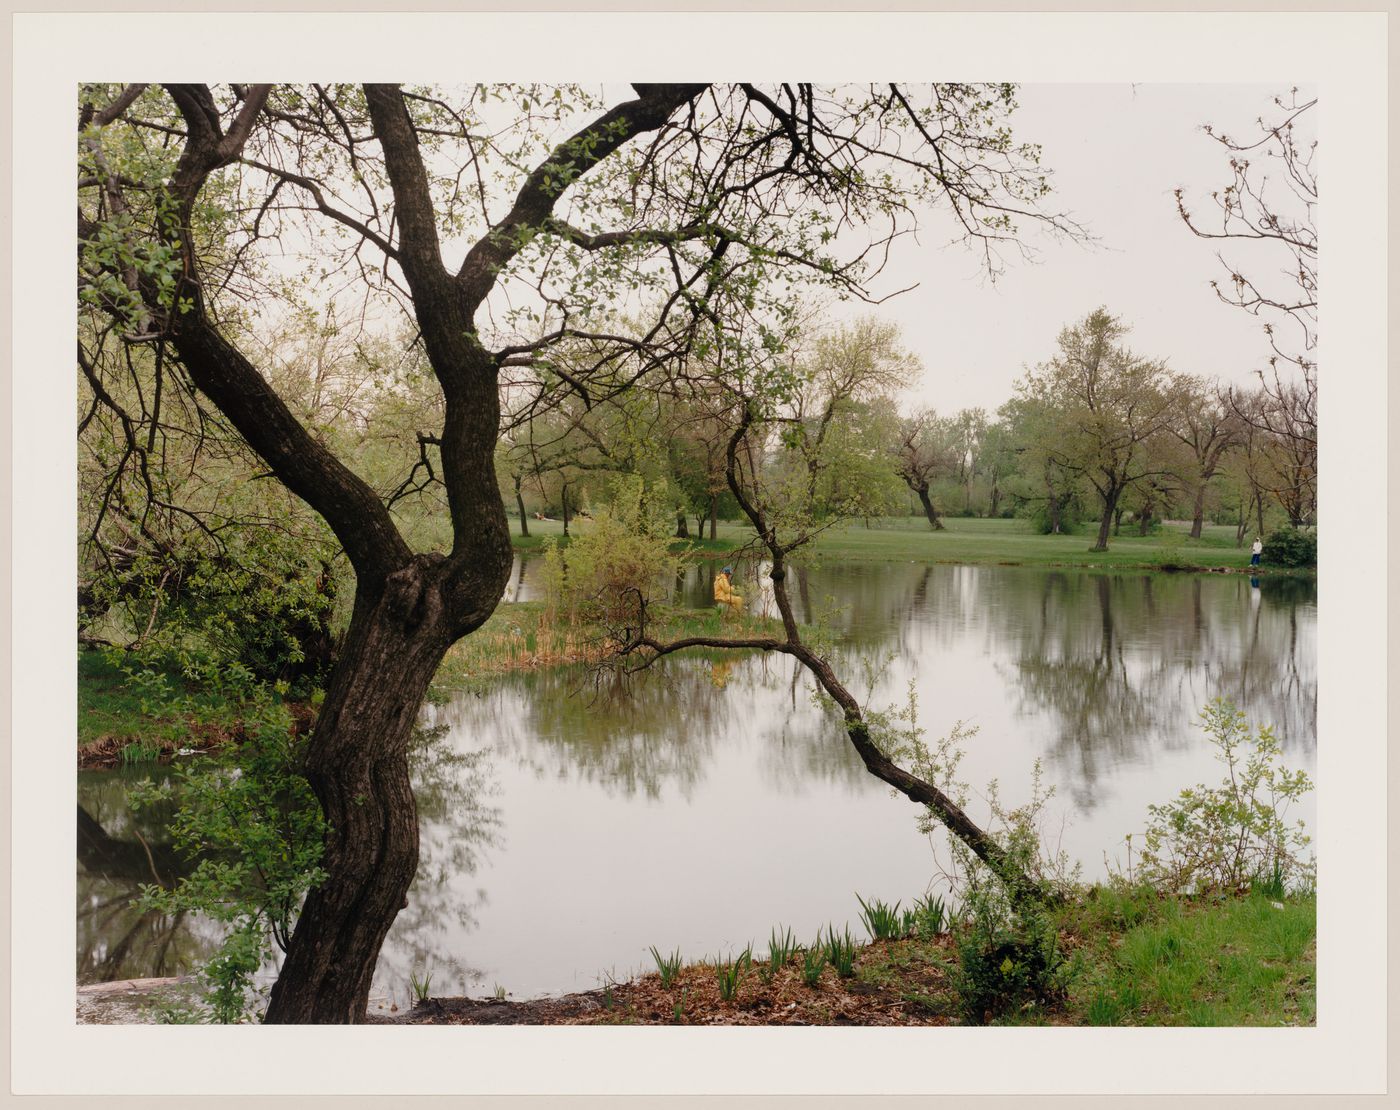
pixel 357 764
pixel 682 528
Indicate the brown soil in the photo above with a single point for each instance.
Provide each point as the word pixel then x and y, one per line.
pixel 780 999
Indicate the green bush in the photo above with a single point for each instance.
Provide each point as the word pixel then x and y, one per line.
pixel 1290 547
pixel 1232 836
pixel 1001 968
pixel 620 560
pixel 1041 523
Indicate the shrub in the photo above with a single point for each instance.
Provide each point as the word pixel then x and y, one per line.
pixel 1000 968
pixel 1007 943
pixel 1228 837
pixel 619 561
pixel 1042 523
pixel 1290 547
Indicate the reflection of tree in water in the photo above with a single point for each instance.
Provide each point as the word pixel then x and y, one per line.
pixel 1125 672
pixel 659 730
pixel 119 850
pixel 458 826
pixel 1072 663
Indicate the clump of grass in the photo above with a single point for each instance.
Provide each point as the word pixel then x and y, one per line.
pixel 729 973
pixel 780 949
pixel 840 951
pixel 1270 884
pixel 421 985
pixel 500 993
pixel 1104 1009
pixel 667 966
pixel 813 960
pixel 928 917
pixel 882 921
pixel 140 752
pixel 678 1007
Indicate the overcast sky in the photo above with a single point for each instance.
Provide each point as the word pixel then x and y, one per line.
pixel 1117 152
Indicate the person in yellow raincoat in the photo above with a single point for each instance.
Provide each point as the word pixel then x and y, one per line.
pixel 724 591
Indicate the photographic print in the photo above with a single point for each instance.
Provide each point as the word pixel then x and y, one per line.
pixel 573 563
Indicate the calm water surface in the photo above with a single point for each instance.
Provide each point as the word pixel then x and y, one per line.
pixel 567 827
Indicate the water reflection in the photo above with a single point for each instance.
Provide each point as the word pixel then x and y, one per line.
pixel 568 825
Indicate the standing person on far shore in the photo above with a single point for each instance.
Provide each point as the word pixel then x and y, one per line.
pixel 1256 551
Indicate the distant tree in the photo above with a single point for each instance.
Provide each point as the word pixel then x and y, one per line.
pixel 1102 404
pixel 1208 426
pixel 969 432
pixel 1036 477
pixel 926 451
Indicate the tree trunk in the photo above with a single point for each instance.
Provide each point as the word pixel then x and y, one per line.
pixel 699 526
pixel 357 764
pixel 520 504
pixel 1117 521
pixel 1144 520
pixel 1053 503
pixel 996 500
pixel 929 510
pixel 1110 511
pixel 682 527
pixel 1259 508
pixel 1198 517
pixel 564 502
pixel 714 516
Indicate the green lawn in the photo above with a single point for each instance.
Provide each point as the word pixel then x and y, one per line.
pixel 1152 960
pixel 974 540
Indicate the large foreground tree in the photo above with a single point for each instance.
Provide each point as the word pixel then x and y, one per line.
pixel 514 227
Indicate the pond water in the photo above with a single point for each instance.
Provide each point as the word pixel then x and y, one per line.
pixel 567 827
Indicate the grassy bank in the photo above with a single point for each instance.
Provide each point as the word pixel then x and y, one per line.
pixel 1132 958
pixel 974 540
pixel 115 716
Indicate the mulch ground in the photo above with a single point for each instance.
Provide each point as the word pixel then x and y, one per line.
pixel 919 994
